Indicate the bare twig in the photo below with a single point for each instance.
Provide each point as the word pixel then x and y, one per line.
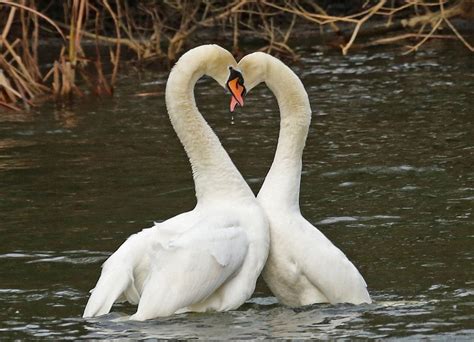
pixel 451 26
pixel 426 37
pixel 26 8
pixel 374 9
pixel 8 24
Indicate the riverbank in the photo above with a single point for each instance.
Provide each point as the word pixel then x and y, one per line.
pixel 60 52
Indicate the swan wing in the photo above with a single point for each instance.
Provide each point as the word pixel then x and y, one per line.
pixel 328 269
pixel 125 271
pixel 120 275
pixel 188 269
pixel 116 277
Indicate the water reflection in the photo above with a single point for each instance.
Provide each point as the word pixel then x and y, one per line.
pixel 67 118
pixel 387 176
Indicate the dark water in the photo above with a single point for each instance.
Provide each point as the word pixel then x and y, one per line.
pixel 388 176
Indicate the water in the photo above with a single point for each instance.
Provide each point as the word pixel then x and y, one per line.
pixel 388 177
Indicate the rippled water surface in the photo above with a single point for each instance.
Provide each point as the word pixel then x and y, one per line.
pixel 388 177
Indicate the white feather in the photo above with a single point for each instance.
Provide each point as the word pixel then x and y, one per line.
pixel 194 264
pixel 303 266
pixel 205 259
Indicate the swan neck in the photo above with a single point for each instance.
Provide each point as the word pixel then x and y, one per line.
pixel 214 173
pixel 282 184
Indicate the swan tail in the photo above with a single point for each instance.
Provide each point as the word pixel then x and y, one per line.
pixel 112 285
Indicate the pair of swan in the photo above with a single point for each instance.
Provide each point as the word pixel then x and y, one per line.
pixel 209 259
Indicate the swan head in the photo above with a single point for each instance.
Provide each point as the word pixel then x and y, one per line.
pixel 222 67
pixel 215 62
pixel 235 84
pixel 254 69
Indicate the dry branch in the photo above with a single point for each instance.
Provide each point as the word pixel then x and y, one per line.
pixel 162 30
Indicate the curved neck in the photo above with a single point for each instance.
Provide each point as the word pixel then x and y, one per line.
pixel 213 171
pixel 282 184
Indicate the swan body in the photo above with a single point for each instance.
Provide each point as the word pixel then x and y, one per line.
pixel 205 259
pixel 303 266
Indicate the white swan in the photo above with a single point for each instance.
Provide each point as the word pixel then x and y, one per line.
pixel 205 259
pixel 303 266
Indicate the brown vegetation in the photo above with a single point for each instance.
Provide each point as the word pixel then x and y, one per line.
pixel 160 30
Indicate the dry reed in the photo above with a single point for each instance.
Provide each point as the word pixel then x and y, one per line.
pixel 160 30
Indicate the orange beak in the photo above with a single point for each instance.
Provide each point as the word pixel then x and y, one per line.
pixel 238 92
